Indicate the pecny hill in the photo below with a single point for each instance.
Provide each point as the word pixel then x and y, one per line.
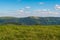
pixel 32 20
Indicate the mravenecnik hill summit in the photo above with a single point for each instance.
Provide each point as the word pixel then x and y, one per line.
pixel 31 20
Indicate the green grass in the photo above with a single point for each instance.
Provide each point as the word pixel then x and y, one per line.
pixel 34 32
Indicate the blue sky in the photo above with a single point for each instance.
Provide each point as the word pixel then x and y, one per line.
pixel 24 8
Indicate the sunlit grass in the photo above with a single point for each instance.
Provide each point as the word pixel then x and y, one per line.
pixel 34 32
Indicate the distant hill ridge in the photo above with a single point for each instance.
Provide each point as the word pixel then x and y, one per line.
pixel 32 20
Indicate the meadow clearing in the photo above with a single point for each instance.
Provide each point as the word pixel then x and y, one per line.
pixel 29 32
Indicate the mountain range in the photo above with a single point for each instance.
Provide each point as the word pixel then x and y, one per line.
pixel 32 20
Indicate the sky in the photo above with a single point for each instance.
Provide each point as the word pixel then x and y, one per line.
pixel 25 8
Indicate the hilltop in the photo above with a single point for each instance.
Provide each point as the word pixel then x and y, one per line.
pixel 32 20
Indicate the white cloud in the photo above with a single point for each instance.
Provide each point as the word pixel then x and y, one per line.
pixel 41 3
pixel 41 12
pixel 57 7
pixel 20 11
pixel 28 7
pixel 46 12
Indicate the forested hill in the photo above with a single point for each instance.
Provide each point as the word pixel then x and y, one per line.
pixel 30 20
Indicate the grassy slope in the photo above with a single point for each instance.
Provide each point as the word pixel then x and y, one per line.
pixel 35 32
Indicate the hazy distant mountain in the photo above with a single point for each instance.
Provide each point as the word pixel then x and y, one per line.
pixel 30 20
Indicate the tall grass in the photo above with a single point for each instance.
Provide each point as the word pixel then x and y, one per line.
pixel 34 32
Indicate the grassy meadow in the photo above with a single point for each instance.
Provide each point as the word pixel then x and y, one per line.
pixel 33 32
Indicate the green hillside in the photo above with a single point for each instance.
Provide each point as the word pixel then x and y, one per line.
pixel 34 32
pixel 33 20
